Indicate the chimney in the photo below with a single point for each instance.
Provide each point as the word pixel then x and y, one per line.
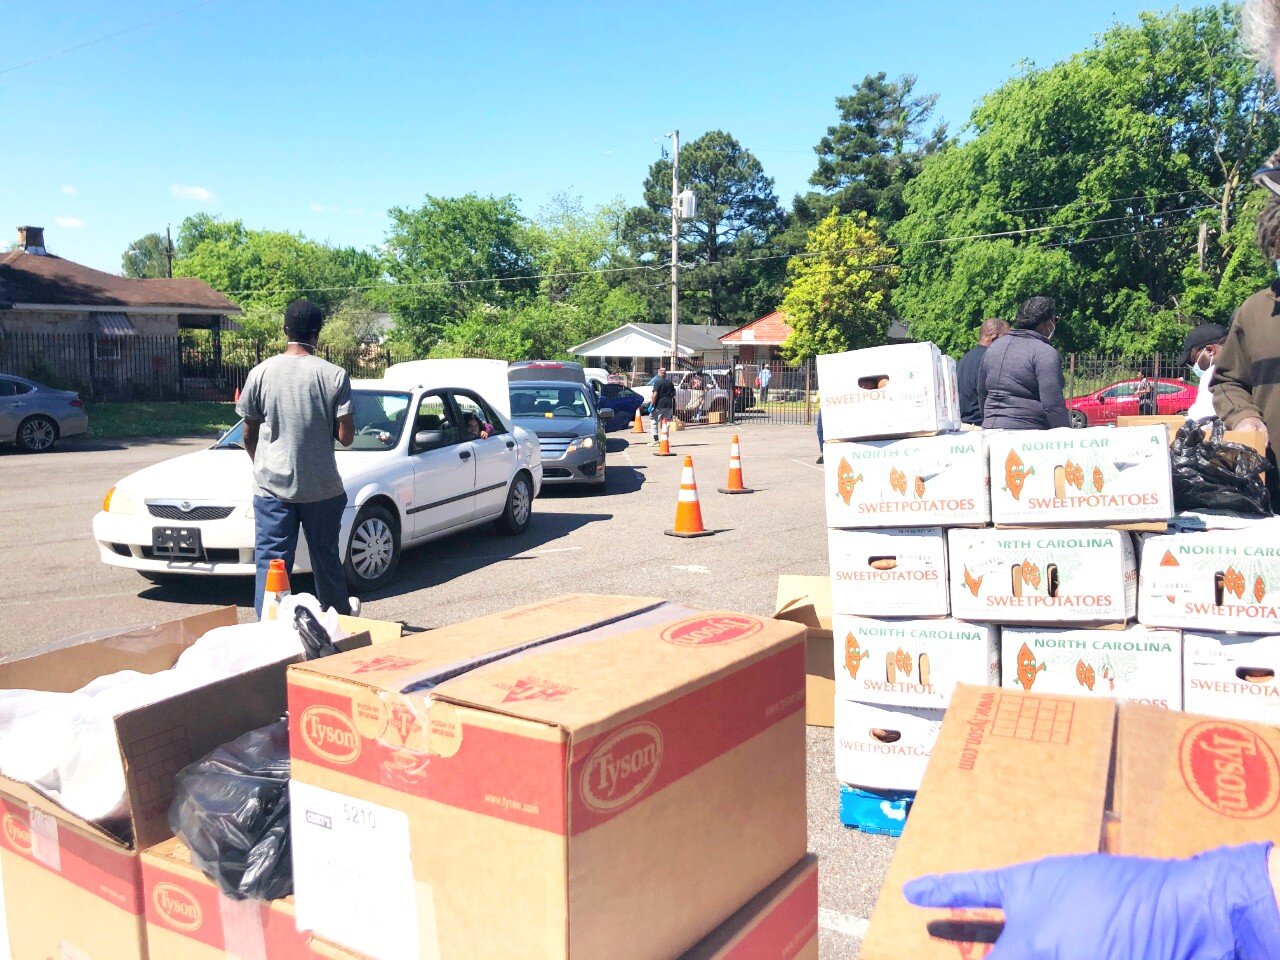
pixel 31 240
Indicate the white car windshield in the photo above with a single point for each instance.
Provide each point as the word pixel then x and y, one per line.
pixel 379 419
pixel 567 401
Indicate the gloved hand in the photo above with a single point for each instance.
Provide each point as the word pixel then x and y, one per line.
pixel 1219 905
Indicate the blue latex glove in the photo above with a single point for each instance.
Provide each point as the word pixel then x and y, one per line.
pixel 1219 905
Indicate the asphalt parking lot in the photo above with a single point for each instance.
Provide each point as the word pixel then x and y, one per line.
pixel 55 585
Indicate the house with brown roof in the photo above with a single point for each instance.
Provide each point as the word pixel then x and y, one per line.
pixel 760 340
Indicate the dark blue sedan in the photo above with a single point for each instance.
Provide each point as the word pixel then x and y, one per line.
pixel 623 401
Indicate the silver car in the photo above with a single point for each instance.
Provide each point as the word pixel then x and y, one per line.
pixel 35 417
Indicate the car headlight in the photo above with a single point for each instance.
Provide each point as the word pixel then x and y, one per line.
pixel 581 443
pixel 119 501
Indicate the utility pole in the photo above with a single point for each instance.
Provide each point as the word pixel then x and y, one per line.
pixel 168 251
pixel 675 247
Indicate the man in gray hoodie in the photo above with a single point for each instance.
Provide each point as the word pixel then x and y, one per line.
pixel 1020 386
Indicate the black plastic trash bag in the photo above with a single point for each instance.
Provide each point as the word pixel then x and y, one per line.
pixel 232 810
pixel 1210 473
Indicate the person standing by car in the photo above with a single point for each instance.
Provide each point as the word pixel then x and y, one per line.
pixel 1200 353
pixel 662 401
pixel 294 406
pixel 1146 394
pixel 762 381
pixel 970 368
pixel 1020 385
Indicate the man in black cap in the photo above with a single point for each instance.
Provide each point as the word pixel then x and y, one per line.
pixel 1200 352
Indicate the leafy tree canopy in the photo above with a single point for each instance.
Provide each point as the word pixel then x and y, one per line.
pixel 146 257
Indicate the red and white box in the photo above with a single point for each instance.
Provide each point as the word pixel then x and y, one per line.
pixel 898 572
pixel 894 391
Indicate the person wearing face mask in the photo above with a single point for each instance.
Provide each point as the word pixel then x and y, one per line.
pixel 1020 385
pixel 1200 352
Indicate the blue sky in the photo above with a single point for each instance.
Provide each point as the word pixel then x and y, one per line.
pixel 318 116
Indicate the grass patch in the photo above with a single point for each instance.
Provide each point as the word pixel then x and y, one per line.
pixel 120 421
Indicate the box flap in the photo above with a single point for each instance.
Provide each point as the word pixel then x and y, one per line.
pixel 778 920
pixel 1186 783
pixel 380 631
pixel 1013 777
pixel 804 599
pixel 67 665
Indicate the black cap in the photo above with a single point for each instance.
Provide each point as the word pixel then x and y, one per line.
pixel 1202 336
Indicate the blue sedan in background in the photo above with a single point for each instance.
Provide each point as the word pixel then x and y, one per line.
pixel 623 401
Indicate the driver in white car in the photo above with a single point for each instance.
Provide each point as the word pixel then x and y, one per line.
pixel 294 406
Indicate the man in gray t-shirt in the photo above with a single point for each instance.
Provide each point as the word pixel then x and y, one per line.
pixel 294 406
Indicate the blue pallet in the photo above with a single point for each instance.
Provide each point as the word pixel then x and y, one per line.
pixel 875 811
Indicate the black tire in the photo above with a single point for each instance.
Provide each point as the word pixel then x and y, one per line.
pixel 518 513
pixel 373 549
pixel 1078 420
pixel 37 434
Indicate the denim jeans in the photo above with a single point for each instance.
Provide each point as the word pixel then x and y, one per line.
pixel 276 538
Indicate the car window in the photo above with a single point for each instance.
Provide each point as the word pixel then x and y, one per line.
pixel 611 391
pixel 434 413
pixel 7 388
pixel 1169 388
pixel 476 416
pixel 1120 391
pixel 379 419
pixel 567 402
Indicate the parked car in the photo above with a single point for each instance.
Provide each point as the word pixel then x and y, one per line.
pixel 412 475
pixel 569 427
pixel 35 417
pixel 715 384
pixel 1120 400
pixel 623 401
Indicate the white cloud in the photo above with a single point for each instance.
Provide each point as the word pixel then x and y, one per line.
pixel 318 207
pixel 185 192
pixel 71 223
pixel 356 212
pixel 69 190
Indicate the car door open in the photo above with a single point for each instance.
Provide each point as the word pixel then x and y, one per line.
pixel 444 469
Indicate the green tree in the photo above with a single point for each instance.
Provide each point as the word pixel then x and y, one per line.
pixel 146 258
pixel 1097 174
pixel 353 323
pixel 837 294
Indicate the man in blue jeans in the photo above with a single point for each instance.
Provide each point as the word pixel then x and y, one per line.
pixel 294 406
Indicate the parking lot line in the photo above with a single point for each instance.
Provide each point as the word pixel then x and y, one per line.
pixel 843 923
pixel 811 466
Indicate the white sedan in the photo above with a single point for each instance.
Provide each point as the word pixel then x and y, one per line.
pixel 413 474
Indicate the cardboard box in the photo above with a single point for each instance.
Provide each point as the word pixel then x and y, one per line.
pixel 807 601
pixel 912 663
pixel 50 856
pixel 1253 439
pixel 528 783
pixel 1139 664
pixel 895 391
pixel 1095 476
pixel 898 571
pixel 1232 675
pixel 779 923
pixel 924 481
pixel 1084 575
pixel 1014 777
pixel 883 748
pixel 1216 580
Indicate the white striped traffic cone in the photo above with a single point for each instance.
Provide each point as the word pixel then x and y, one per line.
pixel 688 509
pixel 735 484
pixel 664 439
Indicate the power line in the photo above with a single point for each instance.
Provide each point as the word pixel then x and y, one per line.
pixel 104 37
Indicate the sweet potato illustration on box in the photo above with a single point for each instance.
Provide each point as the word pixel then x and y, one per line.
pixel 1031 575
pixel 898 482
pixel 1233 582
pixel 905 661
pixel 1027 667
pixel 919 487
pixel 853 655
pixel 1085 674
pixel 973 583
pixel 1075 474
pixel 846 481
pixel 1259 590
pixel 1097 479
pixel 1015 474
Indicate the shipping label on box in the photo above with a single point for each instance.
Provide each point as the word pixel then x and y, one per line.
pixel 1098 475
pixel 1139 665
pixel 1232 675
pixel 895 391
pixel 1084 575
pixel 894 572
pixel 930 481
pixel 1216 580
pixel 883 748
pixel 911 663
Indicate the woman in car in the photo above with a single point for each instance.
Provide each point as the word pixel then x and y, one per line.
pixel 476 429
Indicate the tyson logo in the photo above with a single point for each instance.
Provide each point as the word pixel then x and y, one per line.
pixel 1230 770
pixel 621 768
pixel 17 833
pixel 330 734
pixel 712 631
pixel 178 907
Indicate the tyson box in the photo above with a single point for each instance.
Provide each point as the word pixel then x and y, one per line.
pixel 925 481
pixel 779 923
pixel 1139 664
pixel 1083 575
pixel 900 572
pixel 528 783
pixel 912 663
pixel 1095 476
pixel 1232 675
pixel 883 748
pixel 1014 777
pixel 807 601
pixel 895 391
pixel 1216 580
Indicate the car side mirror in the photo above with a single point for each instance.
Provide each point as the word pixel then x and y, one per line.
pixel 606 413
pixel 425 439
pixel 1102 398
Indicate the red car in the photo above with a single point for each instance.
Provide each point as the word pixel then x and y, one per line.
pixel 1121 400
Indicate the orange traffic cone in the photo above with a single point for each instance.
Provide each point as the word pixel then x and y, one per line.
pixel 688 510
pixel 275 589
pixel 236 398
pixel 638 425
pixel 734 484
pixel 664 439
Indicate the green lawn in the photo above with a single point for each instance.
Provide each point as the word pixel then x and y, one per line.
pixel 119 421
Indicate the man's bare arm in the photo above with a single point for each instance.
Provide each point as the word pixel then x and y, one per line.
pixel 344 430
pixel 251 428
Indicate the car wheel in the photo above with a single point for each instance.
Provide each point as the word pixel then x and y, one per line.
pixel 37 434
pixel 518 514
pixel 1078 420
pixel 373 550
